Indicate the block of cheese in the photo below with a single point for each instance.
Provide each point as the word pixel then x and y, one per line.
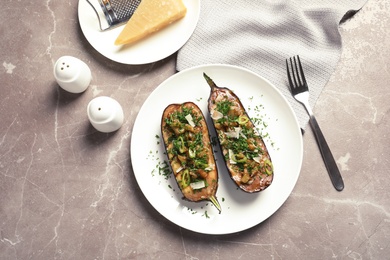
pixel 151 16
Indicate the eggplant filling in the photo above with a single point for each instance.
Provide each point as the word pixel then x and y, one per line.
pixel 189 152
pixel 243 149
pixel 186 148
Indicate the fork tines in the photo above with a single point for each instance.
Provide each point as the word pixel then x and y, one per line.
pixel 296 77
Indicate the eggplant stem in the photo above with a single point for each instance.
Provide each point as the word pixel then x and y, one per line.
pixel 210 81
pixel 215 202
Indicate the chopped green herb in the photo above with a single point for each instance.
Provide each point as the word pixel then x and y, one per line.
pixel 163 169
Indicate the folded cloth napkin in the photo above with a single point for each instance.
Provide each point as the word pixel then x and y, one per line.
pixel 260 34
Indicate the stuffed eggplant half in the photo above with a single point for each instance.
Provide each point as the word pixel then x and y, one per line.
pixel 244 151
pixel 188 147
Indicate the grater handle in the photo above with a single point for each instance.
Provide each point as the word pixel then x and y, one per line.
pixel 112 13
pixel 102 18
pixel 109 12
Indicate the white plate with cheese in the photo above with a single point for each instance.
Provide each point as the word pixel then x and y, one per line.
pixel 153 48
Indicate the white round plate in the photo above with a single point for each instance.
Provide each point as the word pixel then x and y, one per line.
pixel 156 47
pixel 240 210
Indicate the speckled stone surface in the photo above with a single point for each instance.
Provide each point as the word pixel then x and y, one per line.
pixel 68 191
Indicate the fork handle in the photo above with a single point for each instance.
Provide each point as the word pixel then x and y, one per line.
pixel 327 156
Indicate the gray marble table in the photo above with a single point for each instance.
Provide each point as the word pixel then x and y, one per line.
pixel 69 192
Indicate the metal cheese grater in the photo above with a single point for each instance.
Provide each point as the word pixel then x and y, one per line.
pixel 113 12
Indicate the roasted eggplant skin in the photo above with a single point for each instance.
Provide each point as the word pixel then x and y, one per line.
pixel 244 151
pixel 187 144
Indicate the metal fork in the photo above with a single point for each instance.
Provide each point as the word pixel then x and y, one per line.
pixel 300 90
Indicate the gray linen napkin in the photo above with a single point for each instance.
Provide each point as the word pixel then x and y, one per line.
pixel 260 34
